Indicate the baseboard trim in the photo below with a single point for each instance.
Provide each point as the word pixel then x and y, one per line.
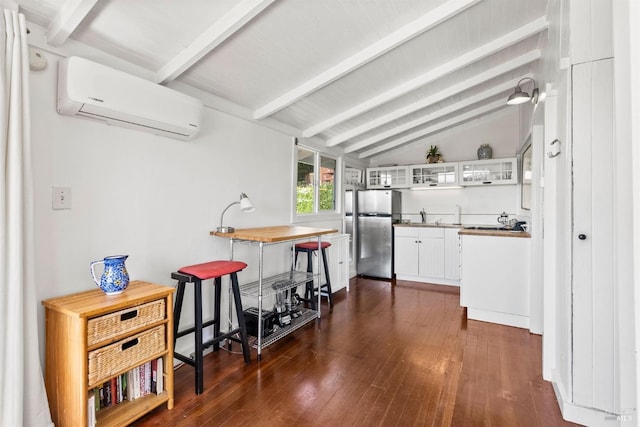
pixel 427 279
pixel 500 318
pixel 587 416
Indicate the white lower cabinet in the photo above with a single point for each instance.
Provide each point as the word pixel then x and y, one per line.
pixel 495 279
pixel 337 261
pixel 424 254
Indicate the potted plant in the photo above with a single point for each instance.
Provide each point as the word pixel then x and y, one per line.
pixel 433 154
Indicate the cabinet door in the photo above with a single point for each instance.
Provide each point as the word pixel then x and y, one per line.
pixel 343 262
pixel 593 297
pixel 489 172
pixel 388 177
pixel 337 261
pixel 406 255
pixel 338 258
pixel 438 175
pixel 431 262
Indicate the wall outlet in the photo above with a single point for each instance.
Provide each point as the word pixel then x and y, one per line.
pixel 61 198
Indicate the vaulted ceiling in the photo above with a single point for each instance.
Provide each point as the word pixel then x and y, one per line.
pixel 363 76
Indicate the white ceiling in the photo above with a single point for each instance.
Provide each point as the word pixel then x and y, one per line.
pixel 364 76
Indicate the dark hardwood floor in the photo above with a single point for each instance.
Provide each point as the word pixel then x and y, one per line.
pixel 388 355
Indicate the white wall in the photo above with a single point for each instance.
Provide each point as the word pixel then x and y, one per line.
pixel 498 129
pixel 152 198
pixel 478 205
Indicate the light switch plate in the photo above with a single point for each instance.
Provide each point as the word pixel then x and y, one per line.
pixel 61 198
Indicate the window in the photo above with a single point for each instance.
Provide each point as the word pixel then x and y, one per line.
pixel 315 185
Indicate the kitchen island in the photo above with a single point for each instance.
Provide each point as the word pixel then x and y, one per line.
pixel 495 277
pixel 265 286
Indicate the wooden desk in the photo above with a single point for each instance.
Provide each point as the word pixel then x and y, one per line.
pixel 272 235
pixel 279 233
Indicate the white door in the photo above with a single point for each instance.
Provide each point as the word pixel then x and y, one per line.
pixel 593 236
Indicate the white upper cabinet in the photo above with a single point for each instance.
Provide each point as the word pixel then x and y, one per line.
pixel 388 177
pixel 434 175
pixel 489 172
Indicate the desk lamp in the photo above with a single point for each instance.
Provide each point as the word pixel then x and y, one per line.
pixel 245 206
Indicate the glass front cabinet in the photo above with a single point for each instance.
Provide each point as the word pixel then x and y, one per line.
pixel 388 177
pixel 434 175
pixel 489 172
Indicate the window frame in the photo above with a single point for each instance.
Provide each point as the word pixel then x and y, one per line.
pixel 337 186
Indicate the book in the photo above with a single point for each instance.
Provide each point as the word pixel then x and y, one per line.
pixel 91 409
pixel 160 376
pixel 147 378
pixel 114 391
pixel 124 382
pixel 154 376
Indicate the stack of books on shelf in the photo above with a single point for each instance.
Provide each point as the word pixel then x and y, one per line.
pixel 139 382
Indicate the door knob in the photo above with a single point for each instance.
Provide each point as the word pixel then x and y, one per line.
pixel 582 236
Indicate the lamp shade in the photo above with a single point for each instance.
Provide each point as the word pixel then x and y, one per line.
pixel 245 203
pixel 520 97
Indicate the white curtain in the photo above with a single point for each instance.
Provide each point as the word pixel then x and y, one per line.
pixel 23 400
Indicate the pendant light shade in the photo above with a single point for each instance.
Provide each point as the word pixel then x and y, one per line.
pixel 520 97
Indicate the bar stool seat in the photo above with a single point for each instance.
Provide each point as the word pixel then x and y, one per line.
pixel 310 248
pixel 196 274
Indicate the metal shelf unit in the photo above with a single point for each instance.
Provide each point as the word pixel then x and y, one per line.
pixel 262 288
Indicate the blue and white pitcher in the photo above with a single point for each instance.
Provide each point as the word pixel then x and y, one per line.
pixel 115 278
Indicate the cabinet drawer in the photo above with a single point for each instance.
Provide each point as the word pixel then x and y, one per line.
pixel 406 232
pixel 432 232
pixel 112 325
pixel 108 361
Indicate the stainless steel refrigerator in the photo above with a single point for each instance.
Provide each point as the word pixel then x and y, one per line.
pixel 349 205
pixel 377 211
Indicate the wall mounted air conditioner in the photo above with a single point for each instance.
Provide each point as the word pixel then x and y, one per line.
pixel 88 89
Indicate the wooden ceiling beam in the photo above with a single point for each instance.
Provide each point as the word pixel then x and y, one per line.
pixel 70 15
pixel 212 37
pixel 503 68
pixel 482 96
pixel 496 45
pixel 481 111
pixel 384 45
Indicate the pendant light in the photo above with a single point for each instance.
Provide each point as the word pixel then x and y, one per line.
pixel 520 97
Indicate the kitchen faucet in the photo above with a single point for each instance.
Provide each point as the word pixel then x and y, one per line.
pixel 423 215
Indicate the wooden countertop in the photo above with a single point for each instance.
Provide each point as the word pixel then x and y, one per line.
pixel 279 233
pixel 498 233
pixel 431 225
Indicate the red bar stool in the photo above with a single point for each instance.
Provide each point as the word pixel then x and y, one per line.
pixel 196 274
pixel 311 248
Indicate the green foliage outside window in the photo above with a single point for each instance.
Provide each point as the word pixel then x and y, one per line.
pixel 305 198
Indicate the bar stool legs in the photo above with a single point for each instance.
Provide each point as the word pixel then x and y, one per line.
pixel 310 291
pixel 196 274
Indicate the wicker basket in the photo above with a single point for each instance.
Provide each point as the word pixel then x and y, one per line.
pixel 125 354
pixel 110 326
